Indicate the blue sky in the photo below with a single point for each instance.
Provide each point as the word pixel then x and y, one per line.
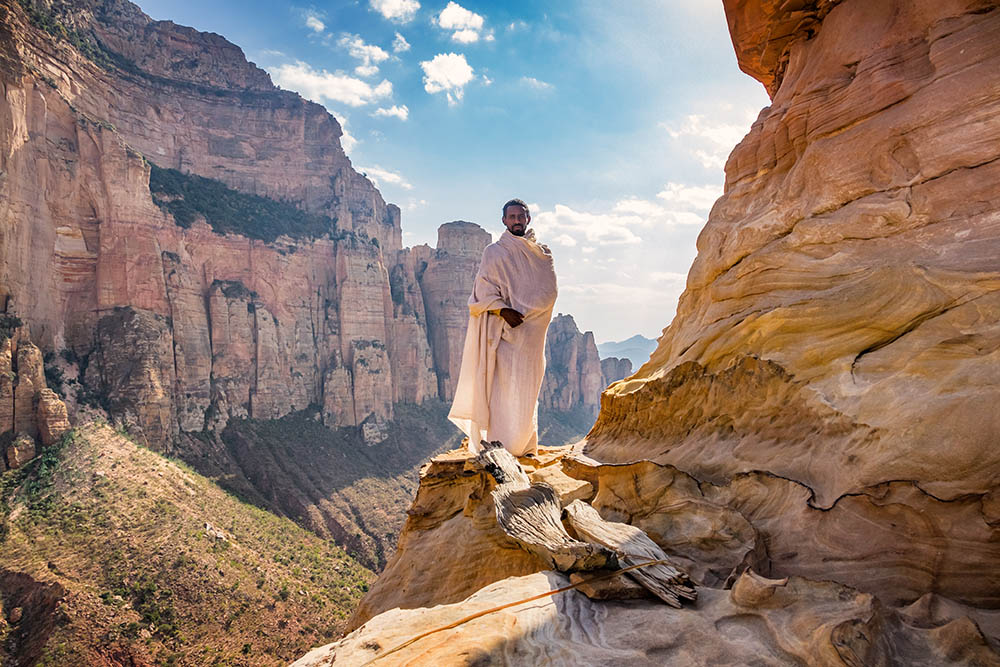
pixel 613 122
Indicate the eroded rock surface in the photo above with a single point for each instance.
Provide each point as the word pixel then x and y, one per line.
pixel 792 620
pixel 839 338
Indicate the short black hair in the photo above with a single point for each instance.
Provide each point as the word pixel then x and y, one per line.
pixel 516 202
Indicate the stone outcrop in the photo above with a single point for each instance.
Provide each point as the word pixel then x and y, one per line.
pixel 573 372
pixel 816 432
pixel 53 421
pixel 614 369
pixel 446 281
pixel 32 416
pixel 467 605
pixel 840 324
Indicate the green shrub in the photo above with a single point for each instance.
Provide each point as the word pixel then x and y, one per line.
pixel 228 211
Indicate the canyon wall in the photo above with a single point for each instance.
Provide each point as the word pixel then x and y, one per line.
pixel 118 133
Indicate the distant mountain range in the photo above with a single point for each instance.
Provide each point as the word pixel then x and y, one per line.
pixel 636 349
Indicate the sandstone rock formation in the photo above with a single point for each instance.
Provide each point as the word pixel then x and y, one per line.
pixel 614 369
pixel 32 416
pixel 817 430
pixel 573 370
pixel 465 608
pixel 446 282
pixel 839 331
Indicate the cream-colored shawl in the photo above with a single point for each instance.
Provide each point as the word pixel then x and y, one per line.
pixel 502 366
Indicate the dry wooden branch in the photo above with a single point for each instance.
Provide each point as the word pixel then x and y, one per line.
pixel 633 546
pixel 531 515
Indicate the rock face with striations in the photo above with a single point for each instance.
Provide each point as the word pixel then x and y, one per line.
pixel 817 429
pixel 840 326
pixel 447 281
pixel 574 372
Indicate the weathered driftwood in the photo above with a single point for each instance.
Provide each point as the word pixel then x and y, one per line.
pixel 632 547
pixel 531 515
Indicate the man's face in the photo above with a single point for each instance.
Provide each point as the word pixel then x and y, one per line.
pixel 516 220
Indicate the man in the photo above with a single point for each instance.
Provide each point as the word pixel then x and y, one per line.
pixel 503 360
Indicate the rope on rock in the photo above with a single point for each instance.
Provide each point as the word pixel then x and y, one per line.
pixel 485 612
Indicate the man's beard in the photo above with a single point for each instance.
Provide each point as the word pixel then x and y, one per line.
pixel 518 230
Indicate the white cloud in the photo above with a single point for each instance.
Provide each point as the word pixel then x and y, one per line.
pixel 537 84
pixel 466 25
pixel 465 36
pixel 401 11
pixel 369 54
pixel 448 73
pixel 594 228
pixel 402 112
pixel 691 197
pixel 314 24
pixel 347 140
pixel 379 175
pixel 399 44
pixel 487 81
pixel 710 140
pixel 320 85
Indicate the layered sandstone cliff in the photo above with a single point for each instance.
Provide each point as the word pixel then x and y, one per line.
pixel 817 430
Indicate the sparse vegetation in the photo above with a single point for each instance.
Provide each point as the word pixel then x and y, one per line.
pixel 8 325
pixel 229 211
pixel 162 566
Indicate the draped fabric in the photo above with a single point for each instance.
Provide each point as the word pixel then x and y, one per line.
pixel 496 397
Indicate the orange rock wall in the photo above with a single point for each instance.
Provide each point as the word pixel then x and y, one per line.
pixel 841 323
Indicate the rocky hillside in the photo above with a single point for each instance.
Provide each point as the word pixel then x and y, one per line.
pixel 814 439
pixel 114 555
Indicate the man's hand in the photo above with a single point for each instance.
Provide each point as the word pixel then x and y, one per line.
pixel 512 317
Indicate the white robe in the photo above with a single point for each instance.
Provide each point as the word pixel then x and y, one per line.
pixel 496 397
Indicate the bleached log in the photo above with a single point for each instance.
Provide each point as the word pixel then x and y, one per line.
pixel 531 515
pixel 633 546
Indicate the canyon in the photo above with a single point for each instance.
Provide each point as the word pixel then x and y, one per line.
pixel 180 315
pixel 814 438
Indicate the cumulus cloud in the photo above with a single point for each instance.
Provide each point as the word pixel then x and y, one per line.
pixel 380 176
pixel 537 84
pixel 401 11
pixel 314 23
pixel 347 140
pixel 402 112
pixel 320 85
pixel 466 26
pixel 595 228
pixel 447 73
pixel 690 197
pixel 369 54
pixel 399 44
pixel 710 140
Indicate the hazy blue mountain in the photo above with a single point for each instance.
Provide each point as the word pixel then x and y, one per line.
pixel 637 349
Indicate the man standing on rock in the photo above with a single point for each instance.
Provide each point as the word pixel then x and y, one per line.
pixel 503 360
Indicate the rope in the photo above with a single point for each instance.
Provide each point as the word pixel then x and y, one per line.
pixel 480 614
